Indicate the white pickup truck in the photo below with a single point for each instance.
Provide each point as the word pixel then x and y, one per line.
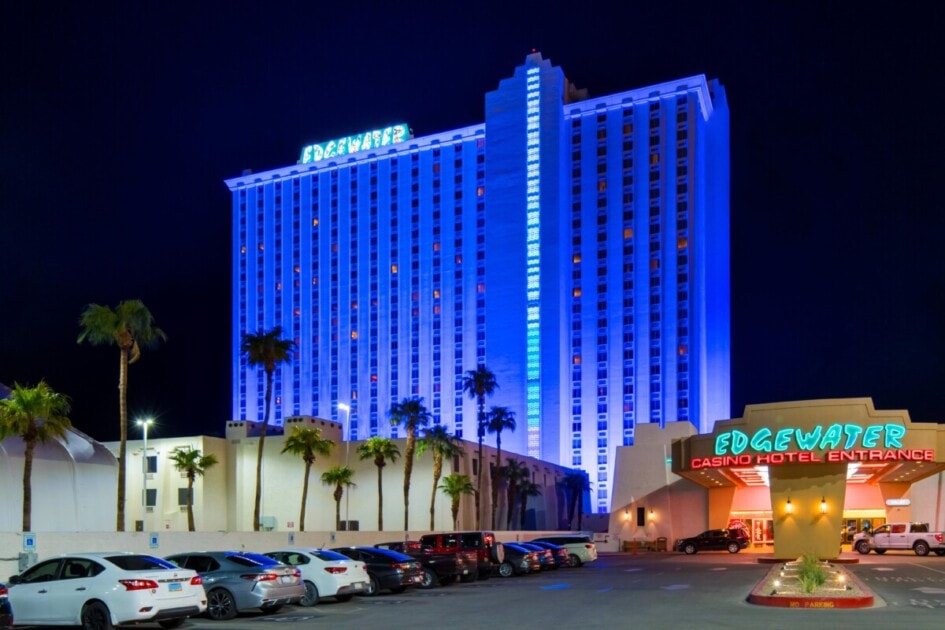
pixel 914 536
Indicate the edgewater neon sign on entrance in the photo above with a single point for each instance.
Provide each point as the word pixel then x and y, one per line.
pixel 832 443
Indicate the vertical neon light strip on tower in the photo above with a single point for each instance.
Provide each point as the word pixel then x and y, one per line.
pixel 533 259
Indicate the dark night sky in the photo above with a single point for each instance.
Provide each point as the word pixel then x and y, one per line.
pixel 119 121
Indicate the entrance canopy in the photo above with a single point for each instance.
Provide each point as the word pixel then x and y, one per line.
pixel 876 446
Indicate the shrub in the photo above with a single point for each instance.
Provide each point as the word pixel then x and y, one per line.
pixel 811 572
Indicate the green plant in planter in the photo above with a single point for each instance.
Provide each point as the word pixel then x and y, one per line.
pixel 811 572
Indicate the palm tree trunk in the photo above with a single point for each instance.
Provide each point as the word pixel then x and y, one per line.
pixel 408 471
pixel 481 429
pixel 456 512
pixel 308 468
pixel 495 474
pixel 123 444
pixel 380 501
pixel 190 503
pixel 259 456
pixel 437 471
pixel 27 485
pixel 524 510
pixel 338 510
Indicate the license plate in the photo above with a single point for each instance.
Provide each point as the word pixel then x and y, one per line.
pixel 174 587
pixel 287 579
pixel 359 585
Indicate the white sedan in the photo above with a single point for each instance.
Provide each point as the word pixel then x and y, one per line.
pixel 325 573
pixel 102 589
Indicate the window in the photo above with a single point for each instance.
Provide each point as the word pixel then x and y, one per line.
pixel 183 497
pixel 150 499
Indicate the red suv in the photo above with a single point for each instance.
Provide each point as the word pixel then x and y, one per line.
pixel 488 551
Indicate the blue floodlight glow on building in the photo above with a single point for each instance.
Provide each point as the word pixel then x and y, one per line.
pixel 577 247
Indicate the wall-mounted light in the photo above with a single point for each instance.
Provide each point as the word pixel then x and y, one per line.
pixel 823 505
pixel 651 514
pixel 788 507
pixel 626 514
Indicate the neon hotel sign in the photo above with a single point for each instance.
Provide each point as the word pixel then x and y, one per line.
pixel 352 144
pixel 833 443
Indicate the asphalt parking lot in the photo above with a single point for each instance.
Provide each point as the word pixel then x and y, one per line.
pixel 660 590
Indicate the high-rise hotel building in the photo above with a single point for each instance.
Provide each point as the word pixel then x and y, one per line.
pixel 577 247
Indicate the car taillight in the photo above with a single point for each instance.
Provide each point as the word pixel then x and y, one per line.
pixel 260 577
pixel 3 590
pixel 138 585
pixel 196 580
pixel 336 569
pixel 588 546
pixel 938 537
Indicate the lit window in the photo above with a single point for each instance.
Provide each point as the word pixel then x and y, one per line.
pixel 393 268
pixel 577 359
pixel 682 242
pixel 297 269
pixel 436 294
pixel 278 286
pixel 481 287
pixel 314 222
pixel 354 334
pixel 436 246
pixel 298 312
pixel 354 306
pixel 627 233
pixel 576 292
pixel 654 264
pixel 602 186
pixel 654 159
pixel 261 247
pixel 459 259
pixel 480 191
pixel 576 258
pixel 683 350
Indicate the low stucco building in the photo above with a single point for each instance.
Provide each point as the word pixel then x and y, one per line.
pixel 794 474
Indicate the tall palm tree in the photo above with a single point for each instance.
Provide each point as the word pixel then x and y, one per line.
pixel 266 349
pixel 498 420
pixel 36 415
pixel 193 463
pixel 443 446
pixel 130 327
pixel 412 414
pixel 527 489
pixel 340 478
pixel 306 442
pixel 455 486
pixel 575 482
pixel 381 450
pixel 515 473
pixel 480 383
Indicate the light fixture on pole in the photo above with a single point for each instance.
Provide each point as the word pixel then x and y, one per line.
pixel 347 410
pixel 788 507
pixel 144 424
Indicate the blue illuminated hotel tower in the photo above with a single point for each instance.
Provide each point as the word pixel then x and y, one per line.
pixel 578 247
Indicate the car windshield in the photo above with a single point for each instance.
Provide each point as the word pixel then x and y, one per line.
pixel 139 562
pixel 325 554
pixel 388 553
pixel 252 559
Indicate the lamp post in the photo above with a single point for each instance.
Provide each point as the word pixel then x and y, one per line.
pixel 144 424
pixel 347 410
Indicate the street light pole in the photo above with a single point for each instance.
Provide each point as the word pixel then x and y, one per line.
pixel 144 424
pixel 347 411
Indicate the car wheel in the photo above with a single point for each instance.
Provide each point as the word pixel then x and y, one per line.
pixel 734 548
pixel 689 548
pixel 95 616
pixel 344 598
pixel 310 598
pixel 220 605
pixel 863 547
pixel 575 561
pixel 505 570
pixel 921 548
pixel 374 587
pixel 170 624
pixel 429 579
pixel 271 608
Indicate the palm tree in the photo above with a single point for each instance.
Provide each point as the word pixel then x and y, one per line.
pixel 306 442
pixel 443 446
pixel 412 414
pixel 340 478
pixel 499 419
pixel 515 473
pixel 381 450
pixel 575 483
pixel 34 414
pixel 455 486
pixel 130 327
pixel 480 383
pixel 192 463
pixel 265 348
pixel 527 489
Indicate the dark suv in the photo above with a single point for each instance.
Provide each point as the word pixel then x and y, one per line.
pixel 731 540
pixel 489 552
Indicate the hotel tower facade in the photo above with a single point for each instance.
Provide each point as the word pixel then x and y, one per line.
pixel 577 247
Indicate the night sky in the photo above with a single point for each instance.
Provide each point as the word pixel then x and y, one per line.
pixel 121 120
